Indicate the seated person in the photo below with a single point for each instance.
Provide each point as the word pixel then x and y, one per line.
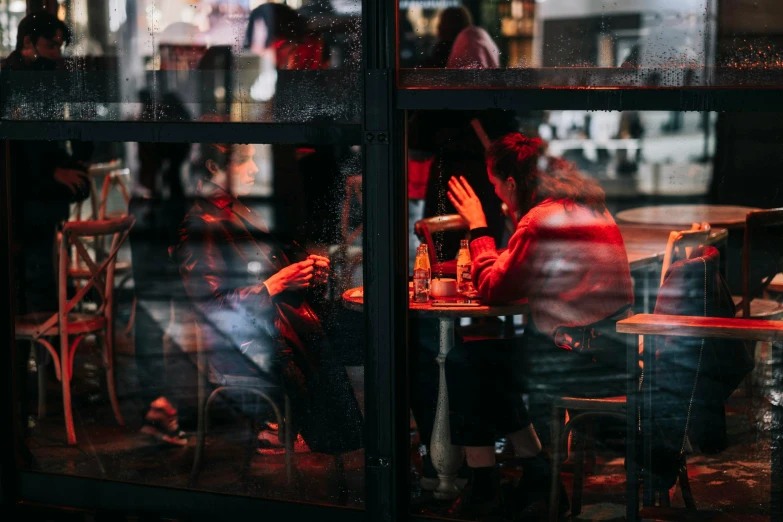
pixel 250 296
pixel 568 259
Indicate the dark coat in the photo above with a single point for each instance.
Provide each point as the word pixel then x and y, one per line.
pixel 722 363
pixel 40 203
pixel 225 253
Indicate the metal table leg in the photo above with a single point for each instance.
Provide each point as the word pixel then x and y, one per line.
pixel 632 404
pixel 446 458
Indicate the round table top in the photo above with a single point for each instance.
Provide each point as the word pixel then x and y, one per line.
pixel 683 216
pixel 353 299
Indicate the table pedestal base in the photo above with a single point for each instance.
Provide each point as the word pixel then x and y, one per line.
pixel 446 458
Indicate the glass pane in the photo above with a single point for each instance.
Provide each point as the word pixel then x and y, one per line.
pixel 567 228
pixel 600 43
pixel 236 368
pixel 184 60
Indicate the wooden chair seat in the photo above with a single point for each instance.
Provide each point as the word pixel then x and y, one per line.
pixel 776 285
pixel 28 326
pixel 607 404
pixel 761 308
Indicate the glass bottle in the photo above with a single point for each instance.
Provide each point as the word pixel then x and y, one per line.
pixel 422 275
pixel 464 265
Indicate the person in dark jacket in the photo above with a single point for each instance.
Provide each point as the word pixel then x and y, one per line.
pixel 45 178
pixel 252 299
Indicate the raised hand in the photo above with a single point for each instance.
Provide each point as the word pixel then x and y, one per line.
pixel 466 202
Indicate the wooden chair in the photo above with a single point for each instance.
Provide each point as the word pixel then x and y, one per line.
pixel 114 179
pixel 65 324
pixel 762 261
pixel 587 411
pixel 210 377
pixel 748 330
pixel 681 244
pixel 427 228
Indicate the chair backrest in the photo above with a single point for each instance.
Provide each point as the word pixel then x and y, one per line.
pixel 762 253
pixel 681 243
pixel 101 269
pixel 426 229
pixel 111 180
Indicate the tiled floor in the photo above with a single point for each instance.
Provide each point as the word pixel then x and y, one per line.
pixel 734 484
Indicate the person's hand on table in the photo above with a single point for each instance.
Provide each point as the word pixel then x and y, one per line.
pixel 466 202
pixel 293 277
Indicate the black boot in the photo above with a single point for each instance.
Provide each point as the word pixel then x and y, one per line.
pixel 532 494
pixel 481 498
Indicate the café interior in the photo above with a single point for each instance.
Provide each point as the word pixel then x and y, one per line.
pixel 293 257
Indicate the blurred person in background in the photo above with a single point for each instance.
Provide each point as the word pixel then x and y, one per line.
pixel 474 49
pixel 46 178
pixel 451 22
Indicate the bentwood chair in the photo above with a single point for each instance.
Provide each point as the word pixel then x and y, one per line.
pixel 71 328
pixel 220 381
pixel 585 412
pixel 762 262
pixel 114 179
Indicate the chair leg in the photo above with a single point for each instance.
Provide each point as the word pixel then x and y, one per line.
pixel 108 354
pixel 288 437
pixel 685 489
pixel 578 445
pixel 132 320
pixel 589 448
pixel 65 380
pixel 201 431
pixel 40 358
pixel 557 458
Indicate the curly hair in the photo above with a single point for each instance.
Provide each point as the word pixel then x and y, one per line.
pixel 517 156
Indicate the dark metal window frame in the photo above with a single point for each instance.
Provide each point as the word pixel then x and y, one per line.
pixel 382 135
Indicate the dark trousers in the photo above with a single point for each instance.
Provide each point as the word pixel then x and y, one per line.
pixel 157 285
pixel 487 381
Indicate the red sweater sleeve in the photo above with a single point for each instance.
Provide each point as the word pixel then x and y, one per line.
pixel 507 276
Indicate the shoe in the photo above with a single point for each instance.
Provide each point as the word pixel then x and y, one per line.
pixel 532 494
pixel 162 424
pixel 666 466
pixel 269 442
pixel 480 504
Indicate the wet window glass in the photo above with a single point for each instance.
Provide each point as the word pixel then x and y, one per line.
pixel 600 43
pixel 533 237
pixel 205 60
pixel 179 317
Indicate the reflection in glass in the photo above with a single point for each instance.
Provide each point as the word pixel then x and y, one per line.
pixel 237 61
pixel 226 293
pixel 491 392
pixel 630 43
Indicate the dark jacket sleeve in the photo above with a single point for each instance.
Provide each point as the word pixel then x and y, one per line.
pixel 236 311
pixel 33 166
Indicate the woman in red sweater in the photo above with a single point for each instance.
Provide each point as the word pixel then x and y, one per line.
pixel 567 258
